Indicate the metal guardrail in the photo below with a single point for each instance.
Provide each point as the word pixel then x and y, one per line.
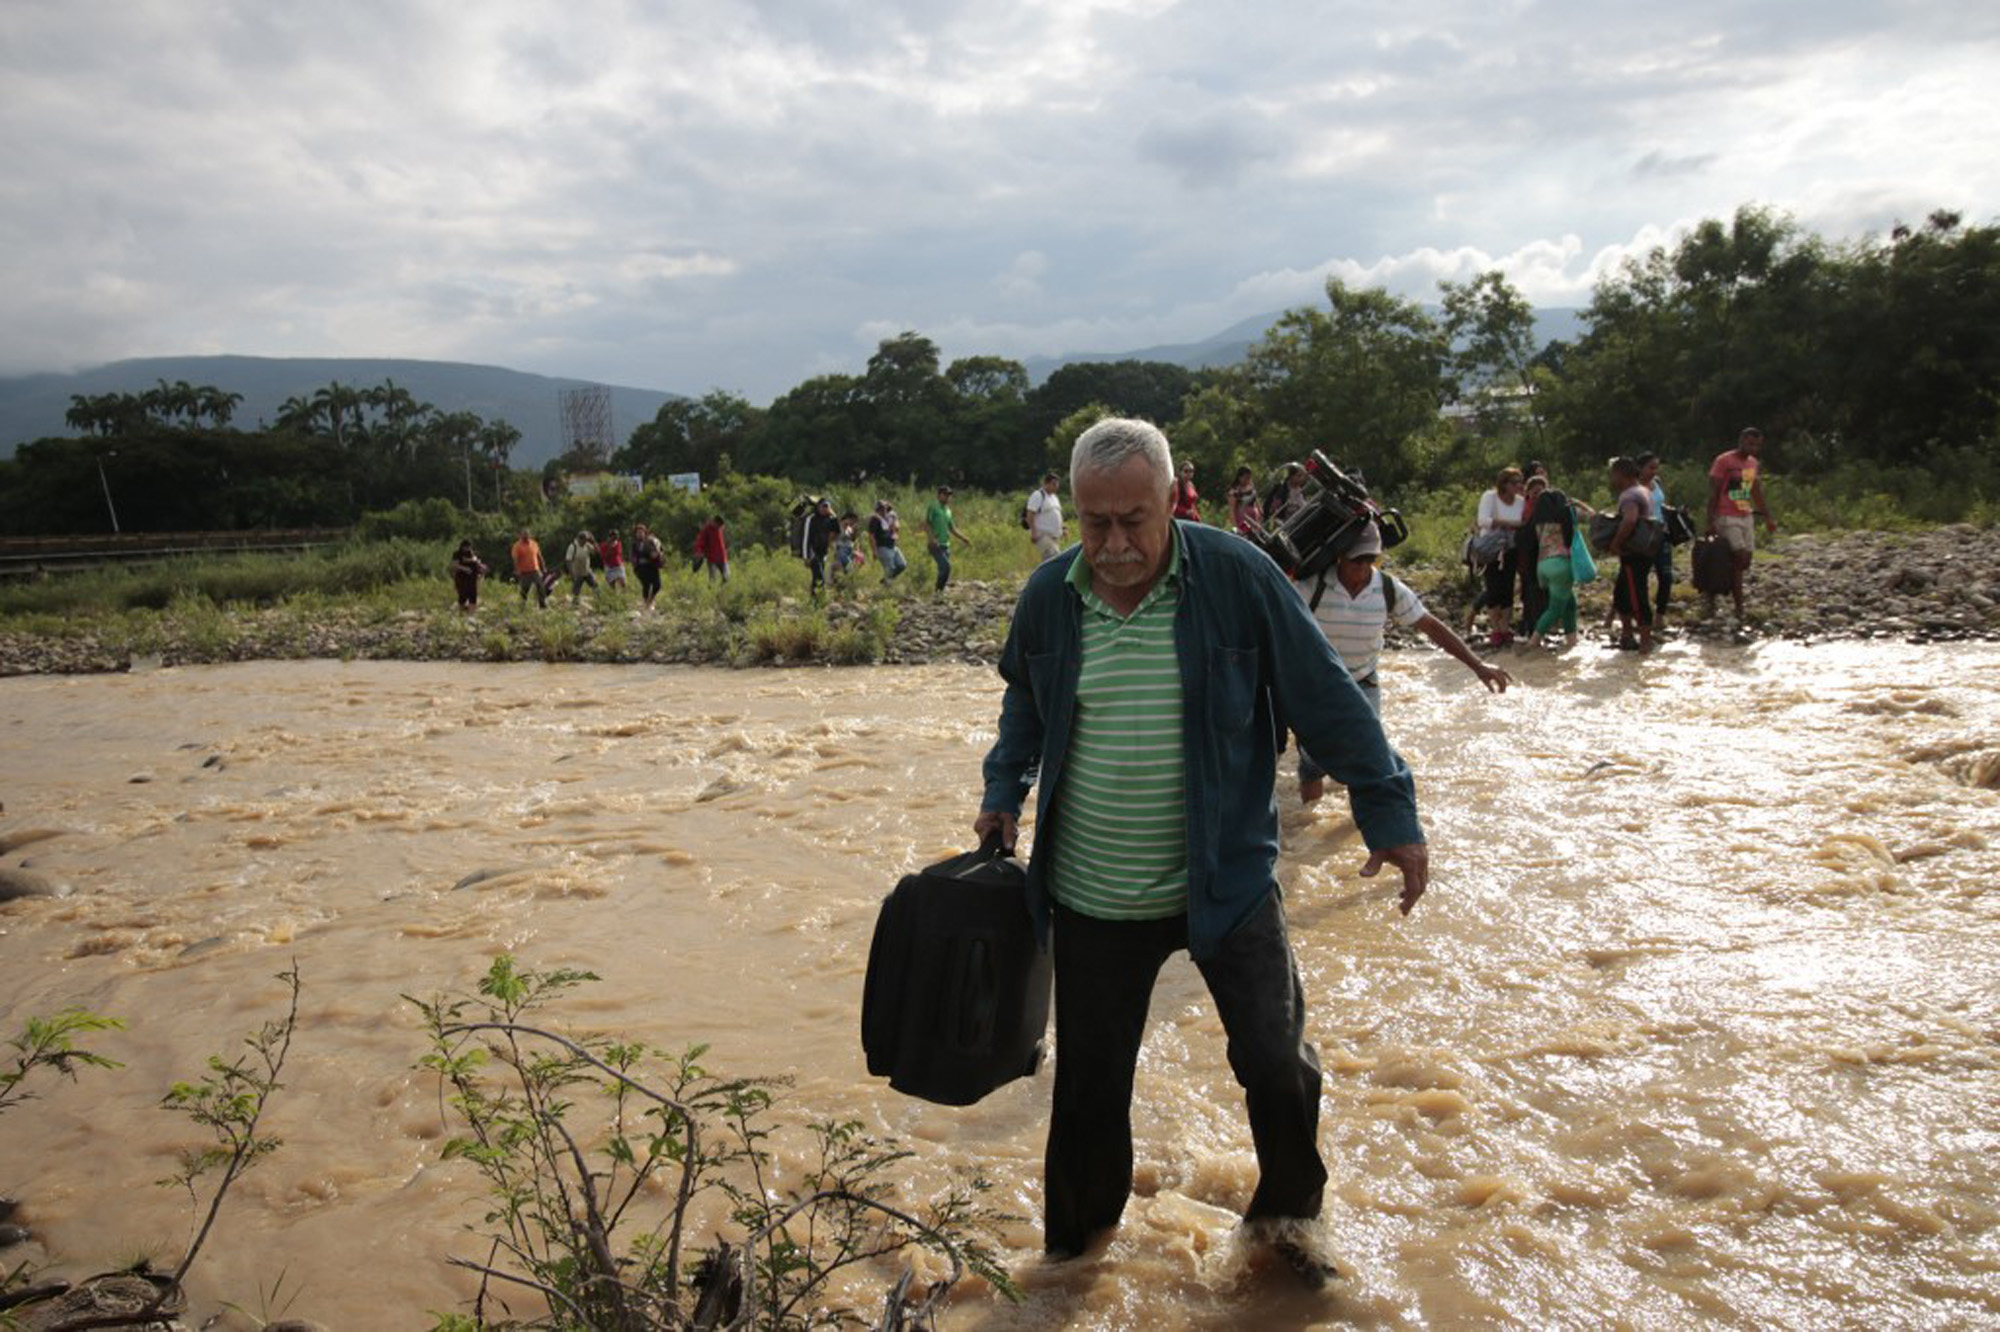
pixel 33 556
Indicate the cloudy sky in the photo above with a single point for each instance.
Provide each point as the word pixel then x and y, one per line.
pixel 692 194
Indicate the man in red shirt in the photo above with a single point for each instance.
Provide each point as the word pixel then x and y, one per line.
pixel 1735 503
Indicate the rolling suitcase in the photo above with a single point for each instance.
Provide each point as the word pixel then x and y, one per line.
pixel 956 998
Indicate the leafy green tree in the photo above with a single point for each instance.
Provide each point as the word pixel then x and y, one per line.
pixel 1219 427
pixel 1151 390
pixel 1686 346
pixel 907 409
pixel 988 443
pixel 1061 441
pixel 1920 339
pixel 692 435
pixel 1363 380
pixel 1492 331
pixel 815 432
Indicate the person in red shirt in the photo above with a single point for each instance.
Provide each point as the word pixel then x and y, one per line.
pixel 1187 500
pixel 1735 503
pixel 612 551
pixel 712 546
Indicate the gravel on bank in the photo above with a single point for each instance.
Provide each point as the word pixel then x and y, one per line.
pixel 1937 585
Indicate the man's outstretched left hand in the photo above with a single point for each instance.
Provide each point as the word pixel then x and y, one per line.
pixel 1413 859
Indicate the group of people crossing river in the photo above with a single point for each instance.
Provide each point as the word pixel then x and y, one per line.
pixel 1530 534
pixel 1527 551
pixel 1155 670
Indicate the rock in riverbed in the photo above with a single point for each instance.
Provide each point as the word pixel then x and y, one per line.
pixel 19 883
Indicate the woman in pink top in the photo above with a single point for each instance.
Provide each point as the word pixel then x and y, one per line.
pixel 1246 514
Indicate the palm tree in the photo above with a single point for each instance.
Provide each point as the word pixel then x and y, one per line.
pixel 336 401
pixel 297 413
pixel 216 405
pixel 399 410
pixel 497 440
pixel 88 413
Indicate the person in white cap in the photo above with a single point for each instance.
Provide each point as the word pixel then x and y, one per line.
pixel 1353 602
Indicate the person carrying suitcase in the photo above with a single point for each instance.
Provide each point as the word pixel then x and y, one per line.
pixel 1145 669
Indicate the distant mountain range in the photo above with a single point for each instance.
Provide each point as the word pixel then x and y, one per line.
pixel 1232 344
pixel 32 406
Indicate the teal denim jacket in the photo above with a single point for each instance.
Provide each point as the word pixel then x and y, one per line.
pixel 1252 662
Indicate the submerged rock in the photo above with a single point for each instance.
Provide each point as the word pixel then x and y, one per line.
pixel 14 841
pixel 481 876
pixel 19 883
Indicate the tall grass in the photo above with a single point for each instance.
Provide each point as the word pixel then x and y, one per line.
pixel 203 607
pixel 253 579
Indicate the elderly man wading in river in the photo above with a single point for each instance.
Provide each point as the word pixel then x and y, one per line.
pixel 1145 671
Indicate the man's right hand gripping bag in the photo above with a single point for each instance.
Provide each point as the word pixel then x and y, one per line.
pixel 957 994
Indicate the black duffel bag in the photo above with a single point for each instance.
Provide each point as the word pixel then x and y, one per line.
pixel 1641 543
pixel 1679 524
pixel 956 998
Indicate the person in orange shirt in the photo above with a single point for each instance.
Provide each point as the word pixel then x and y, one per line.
pixel 528 568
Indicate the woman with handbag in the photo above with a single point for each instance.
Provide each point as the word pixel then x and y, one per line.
pixel 1502 510
pixel 1553 525
pixel 1634 541
pixel 1663 558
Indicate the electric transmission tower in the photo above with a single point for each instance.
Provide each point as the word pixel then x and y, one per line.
pixel 586 422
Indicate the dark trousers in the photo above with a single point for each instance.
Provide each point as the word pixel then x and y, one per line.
pixel 1628 594
pixel 1498 588
pixel 1534 597
pixel 1104 979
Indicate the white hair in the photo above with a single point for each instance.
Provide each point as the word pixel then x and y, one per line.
pixel 1112 442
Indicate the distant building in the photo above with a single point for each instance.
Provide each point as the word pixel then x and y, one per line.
pixel 584 485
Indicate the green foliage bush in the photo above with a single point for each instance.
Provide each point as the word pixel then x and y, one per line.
pixel 594 1180
pixel 415 520
pixel 777 637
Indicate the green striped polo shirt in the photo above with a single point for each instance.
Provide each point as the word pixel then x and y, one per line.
pixel 1121 811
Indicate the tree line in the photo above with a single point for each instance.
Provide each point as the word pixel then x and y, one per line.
pixel 168 459
pixel 1871 359
pixel 1874 359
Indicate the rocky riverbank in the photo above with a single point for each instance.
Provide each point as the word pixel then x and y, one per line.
pixel 1941 585
pixel 1931 586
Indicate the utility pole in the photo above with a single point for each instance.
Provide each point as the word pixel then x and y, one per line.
pixel 468 478
pixel 105 482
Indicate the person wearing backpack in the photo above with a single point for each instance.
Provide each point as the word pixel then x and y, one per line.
pixel 1353 602
pixel 1042 515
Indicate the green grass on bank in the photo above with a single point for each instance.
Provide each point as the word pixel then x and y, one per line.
pixel 763 612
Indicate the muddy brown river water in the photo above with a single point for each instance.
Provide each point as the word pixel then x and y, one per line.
pixel 1697 1025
